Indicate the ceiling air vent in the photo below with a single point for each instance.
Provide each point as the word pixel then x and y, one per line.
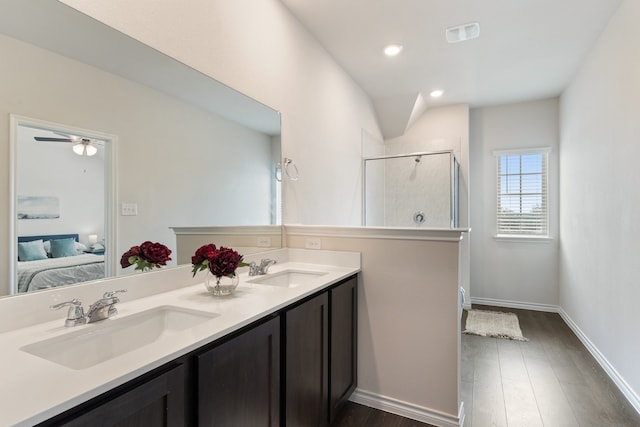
pixel 463 32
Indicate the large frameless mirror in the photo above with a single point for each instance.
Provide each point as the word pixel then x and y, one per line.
pixel 113 143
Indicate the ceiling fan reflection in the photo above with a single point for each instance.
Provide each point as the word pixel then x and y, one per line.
pixel 81 146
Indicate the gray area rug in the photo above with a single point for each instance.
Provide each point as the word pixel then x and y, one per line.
pixel 493 324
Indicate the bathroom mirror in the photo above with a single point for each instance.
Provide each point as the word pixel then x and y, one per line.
pixel 187 150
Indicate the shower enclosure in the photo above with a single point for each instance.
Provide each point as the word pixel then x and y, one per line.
pixel 411 190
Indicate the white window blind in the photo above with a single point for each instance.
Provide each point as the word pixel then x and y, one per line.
pixel 522 193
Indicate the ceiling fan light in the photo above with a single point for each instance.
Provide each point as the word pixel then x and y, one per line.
pixel 90 150
pixel 79 149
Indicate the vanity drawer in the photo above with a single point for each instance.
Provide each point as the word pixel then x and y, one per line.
pixel 150 402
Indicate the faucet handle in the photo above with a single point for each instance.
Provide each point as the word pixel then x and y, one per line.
pixel 110 294
pixel 265 263
pixel 72 303
pixel 253 269
pixel 75 315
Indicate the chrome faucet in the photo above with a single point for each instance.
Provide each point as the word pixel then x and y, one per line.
pixel 99 310
pixel 104 307
pixel 263 268
pixel 75 315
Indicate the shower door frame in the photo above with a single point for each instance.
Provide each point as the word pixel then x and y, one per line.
pixel 454 168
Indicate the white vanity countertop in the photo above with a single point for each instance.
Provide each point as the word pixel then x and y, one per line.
pixel 34 389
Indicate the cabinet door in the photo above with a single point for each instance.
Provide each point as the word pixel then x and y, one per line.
pixel 306 377
pixel 239 380
pixel 343 344
pixel 156 402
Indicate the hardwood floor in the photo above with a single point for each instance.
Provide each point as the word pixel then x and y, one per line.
pixel 549 381
pixel 355 415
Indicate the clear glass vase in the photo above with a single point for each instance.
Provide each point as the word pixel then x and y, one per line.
pixel 221 285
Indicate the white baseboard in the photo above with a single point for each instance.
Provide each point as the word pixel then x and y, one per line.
pixel 624 387
pixel 516 304
pixel 408 410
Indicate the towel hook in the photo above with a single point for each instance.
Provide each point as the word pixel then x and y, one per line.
pixel 289 163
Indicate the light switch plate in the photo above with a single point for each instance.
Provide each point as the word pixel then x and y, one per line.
pixel 129 209
pixel 264 242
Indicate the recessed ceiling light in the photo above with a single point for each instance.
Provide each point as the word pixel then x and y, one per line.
pixel 393 49
pixel 437 93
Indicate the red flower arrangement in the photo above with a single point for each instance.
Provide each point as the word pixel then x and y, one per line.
pixel 220 261
pixel 147 256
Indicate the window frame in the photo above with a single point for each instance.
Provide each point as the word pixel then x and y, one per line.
pixel 545 235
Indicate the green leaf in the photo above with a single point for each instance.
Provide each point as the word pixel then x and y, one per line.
pixel 199 267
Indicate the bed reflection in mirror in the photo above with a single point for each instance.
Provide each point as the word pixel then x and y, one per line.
pixel 55 260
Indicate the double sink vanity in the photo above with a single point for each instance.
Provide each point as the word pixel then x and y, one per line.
pixel 281 350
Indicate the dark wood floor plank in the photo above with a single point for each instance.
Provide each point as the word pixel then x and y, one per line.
pixel 352 415
pixel 610 401
pixel 519 400
pixel 553 405
pixel 355 415
pixel 512 365
pixel 520 403
pixel 466 394
pixel 407 422
pixel 585 407
pixel 488 405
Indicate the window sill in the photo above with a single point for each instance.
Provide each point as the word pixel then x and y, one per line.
pixel 522 238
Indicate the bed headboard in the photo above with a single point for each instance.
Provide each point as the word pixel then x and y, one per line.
pixel 47 237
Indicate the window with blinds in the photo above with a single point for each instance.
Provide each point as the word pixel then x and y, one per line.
pixel 522 193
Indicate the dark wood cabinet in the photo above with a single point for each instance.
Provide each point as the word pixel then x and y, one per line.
pixel 294 368
pixel 155 402
pixel 238 382
pixel 306 363
pixel 343 327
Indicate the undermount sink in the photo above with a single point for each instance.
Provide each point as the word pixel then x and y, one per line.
pixel 288 278
pixel 96 343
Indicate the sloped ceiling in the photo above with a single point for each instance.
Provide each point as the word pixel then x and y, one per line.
pixel 527 49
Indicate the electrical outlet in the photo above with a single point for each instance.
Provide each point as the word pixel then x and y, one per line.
pixel 264 242
pixel 313 243
pixel 129 209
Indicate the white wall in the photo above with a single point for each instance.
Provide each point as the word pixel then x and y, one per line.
pixel 260 49
pixel 600 207
pixel 509 271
